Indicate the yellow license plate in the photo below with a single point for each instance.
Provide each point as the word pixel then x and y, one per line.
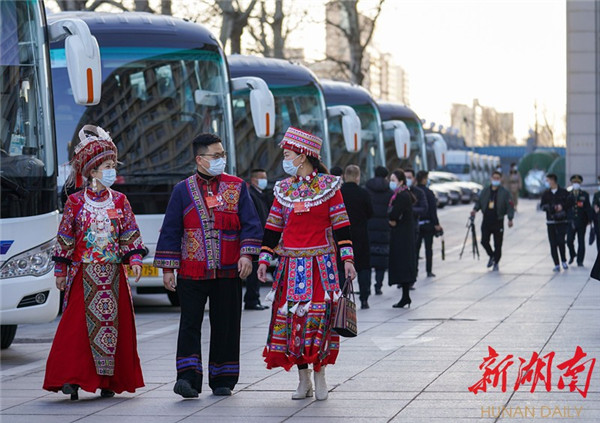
pixel 147 271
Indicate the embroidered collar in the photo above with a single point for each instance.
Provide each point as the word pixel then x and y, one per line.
pixel 314 192
pixel 97 196
pixel 307 178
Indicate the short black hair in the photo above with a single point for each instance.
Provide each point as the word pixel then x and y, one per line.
pixel 253 172
pixel 552 176
pixel 336 171
pixel 202 141
pixel 382 172
pixel 421 175
pixel 409 169
pixel 495 172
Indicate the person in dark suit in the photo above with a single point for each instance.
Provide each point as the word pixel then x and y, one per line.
pixel 256 188
pixel 420 209
pixel 580 216
pixel 403 246
pixel 379 228
pixel 430 224
pixel 360 210
pixel 596 209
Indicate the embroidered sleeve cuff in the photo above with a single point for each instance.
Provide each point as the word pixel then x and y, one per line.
pixel 346 253
pixel 250 247
pixel 60 269
pixel 135 259
pixel 169 260
pixel 265 258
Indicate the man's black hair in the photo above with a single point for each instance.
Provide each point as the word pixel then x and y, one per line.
pixel 202 141
pixel 382 172
pixel 337 171
pixel 552 176
pixel 253 172
pixel 495 172
pixel 421 175
pixel 409 169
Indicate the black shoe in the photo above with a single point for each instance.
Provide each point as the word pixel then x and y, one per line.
pixel 431 275
pixel 378 291
pixel 495 269
pixel 490 262
pixel 412 286
pixel 222 391
pixel 402 303
pixel 182 387
pixel 571 260
pixel 107 393
pixel 579 264
pixel 364 304
pixel 255 307
pixel 71 389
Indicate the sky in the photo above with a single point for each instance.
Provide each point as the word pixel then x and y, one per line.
pixel 508 54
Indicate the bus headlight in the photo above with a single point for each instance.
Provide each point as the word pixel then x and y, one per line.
pixel 34 262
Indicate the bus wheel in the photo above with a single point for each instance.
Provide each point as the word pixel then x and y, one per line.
pixel 8 335
pixel 173 298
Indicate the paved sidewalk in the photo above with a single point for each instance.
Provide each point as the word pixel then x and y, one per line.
pixel 410 365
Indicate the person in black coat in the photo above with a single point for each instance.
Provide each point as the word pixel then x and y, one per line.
pixel 403 250
pixel 556 202
pixel 262 202
pixel 429 225
pixel 360 210
pixel 580 216
pixel 420 208
pixel 379 228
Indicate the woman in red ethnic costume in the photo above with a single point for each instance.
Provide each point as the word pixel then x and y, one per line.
pixel 307 211
pixel 95 343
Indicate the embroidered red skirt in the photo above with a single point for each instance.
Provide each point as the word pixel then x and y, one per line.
pixel 306 339
pixel 71 359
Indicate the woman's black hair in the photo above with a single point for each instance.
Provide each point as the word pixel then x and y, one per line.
pixel 317 164
pixel 400 175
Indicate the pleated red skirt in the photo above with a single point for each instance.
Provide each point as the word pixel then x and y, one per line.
pixel 70 359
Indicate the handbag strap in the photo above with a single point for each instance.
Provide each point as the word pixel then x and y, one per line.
pixel 348 290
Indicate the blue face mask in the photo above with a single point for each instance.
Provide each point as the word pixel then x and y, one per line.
pixel 262 183
pixel 109 176
pixel 393 185
pixel 290 168
pixel 495 183
pixel 408 182
pixel 547 184
pixel 217 167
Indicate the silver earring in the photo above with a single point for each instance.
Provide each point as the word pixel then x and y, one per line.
pixel 94 185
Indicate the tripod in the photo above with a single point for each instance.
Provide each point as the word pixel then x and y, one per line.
pixel 471 229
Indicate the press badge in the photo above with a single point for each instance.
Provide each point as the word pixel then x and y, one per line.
pixel 114 213
pixel 300 208
pixel 214 201
pixel 491 205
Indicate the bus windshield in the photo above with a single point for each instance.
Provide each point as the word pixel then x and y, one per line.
pixel 416 140
pixel 154 102
pixel 367 158
pixel 300 107
pixel 27 167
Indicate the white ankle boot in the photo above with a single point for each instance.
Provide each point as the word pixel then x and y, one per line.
pixel 321 391
pixel 305 387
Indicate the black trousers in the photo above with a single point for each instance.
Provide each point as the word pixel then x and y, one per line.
pixel 364 283
pixel 379 275
pixel 426 234
pixel 493 228
pixel 556 236
pixel 252 295
pixel 225 302
pixel 580 232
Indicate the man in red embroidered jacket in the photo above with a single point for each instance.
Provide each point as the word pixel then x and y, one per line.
pixel 210 233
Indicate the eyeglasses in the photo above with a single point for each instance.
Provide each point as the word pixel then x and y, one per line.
pixel 215 156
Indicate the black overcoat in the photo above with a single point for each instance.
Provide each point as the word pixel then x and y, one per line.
pixel 379 228
pixel 403 254
pixel 360 210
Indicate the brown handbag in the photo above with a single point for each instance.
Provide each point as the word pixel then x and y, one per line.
pixel 344 322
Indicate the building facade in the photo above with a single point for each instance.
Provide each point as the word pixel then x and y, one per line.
pixel 583 89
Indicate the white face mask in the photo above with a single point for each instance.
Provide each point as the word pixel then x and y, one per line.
pixel 290 168
pixel 495 183
pixel 262 183
pixel 409 182
pixel 217 166
pixel 109 176
pixel 576 185
pixel 393 185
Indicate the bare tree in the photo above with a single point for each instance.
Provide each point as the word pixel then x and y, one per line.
pixel 73 5
pixel 235 19
pixel 165 7
pixel 357 30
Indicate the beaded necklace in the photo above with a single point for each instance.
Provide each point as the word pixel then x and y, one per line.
pixel 100 224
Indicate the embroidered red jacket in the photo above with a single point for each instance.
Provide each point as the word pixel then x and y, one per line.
pixel 204 242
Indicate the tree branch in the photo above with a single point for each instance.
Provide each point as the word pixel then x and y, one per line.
pixel 99 3
pixel 338 26
pixel 377 13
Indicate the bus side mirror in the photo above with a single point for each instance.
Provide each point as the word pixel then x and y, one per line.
pixel 440 148
pixel 401 137
pixel 262 104
pixel 350 126
pixel 83 59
